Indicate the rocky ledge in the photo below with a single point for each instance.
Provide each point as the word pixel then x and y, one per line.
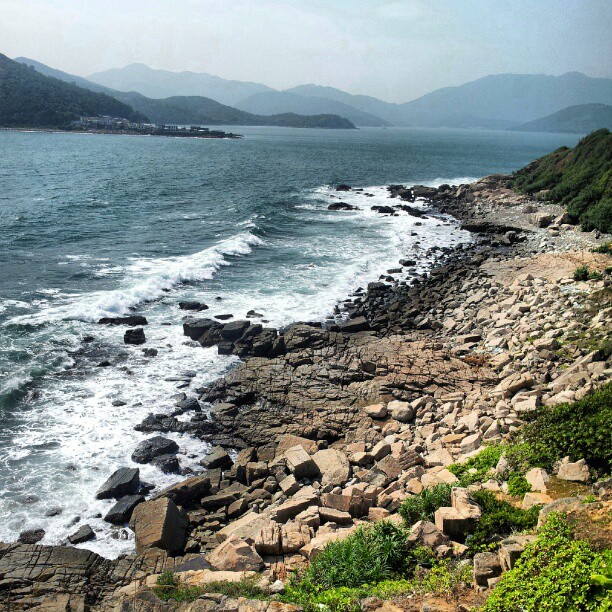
pixel 321 429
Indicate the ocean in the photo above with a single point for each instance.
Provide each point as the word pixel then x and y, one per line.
pixel 104 225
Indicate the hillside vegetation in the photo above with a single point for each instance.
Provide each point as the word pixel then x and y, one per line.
pixel 30 99
pixel 580 179
pixel 579 119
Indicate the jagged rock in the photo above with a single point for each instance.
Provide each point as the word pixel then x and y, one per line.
pixel 512 548
pixel 125 481
pixel 576 472
pixel 134 336
pixel 161 524
pixel 333 466
pixel 288 441
pixel 486 567
pixel 217 458
pixel 157 446
pixel 300 463
pixel 246 528
pixel 187 491
pixel 83 534
pixel 131 321
pixel 293 506
pixel 425 533
pixel 235 555
pixel 456 521
pixel 537 478
pixel 121 512
pixel 31 536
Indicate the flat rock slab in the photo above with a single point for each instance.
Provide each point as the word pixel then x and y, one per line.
pixel 125 481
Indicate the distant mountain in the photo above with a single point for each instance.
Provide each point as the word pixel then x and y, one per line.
pixel 30 99
pixel 185 110
pixel 164 84
pixel 272 102
pixel 504 100
pixel 579 119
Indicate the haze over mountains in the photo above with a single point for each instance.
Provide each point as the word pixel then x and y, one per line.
pixel 505 101
pixel 496 101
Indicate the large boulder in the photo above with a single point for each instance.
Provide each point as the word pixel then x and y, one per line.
pixel 425 533
pixel 154 447
pixel 187 491
pixel 134 336
pixel 575 472
pixel 122 511
pixel 333 465
pixel 82 534
pixel 300 463
pixel 288 440
pixel 125 481
pixel 235 555
pixel 131 321
pixel 217 458
pixel 486 567
pixel 537 478
pixel 456 520
pixel 159 523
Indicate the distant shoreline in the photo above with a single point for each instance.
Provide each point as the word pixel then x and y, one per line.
pixel 225 136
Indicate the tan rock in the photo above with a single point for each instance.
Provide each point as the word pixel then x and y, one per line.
pixel 246 528
pixel 235 555
pixel 376 411
pixel 299 462
pixel 333 466
pixel 575 472
pixel 159 523
pixel 532 499
pixel 288 441
pixel 425 533
pixel 537 478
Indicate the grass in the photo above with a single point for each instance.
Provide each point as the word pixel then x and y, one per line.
pixel 423 506
pixel 478 468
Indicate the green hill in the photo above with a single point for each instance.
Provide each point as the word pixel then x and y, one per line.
pixel 30 99
pixel 580 179
pixel 578 119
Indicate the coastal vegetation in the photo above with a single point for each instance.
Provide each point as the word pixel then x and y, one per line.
pixel 579 179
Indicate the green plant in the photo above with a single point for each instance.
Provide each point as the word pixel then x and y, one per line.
pixel 422 507
pixel 580 429
pixel 605 248
pixel 589 499
pixel 369 555
pixel 555 573
pixel 477 469
pixel 517 485
pixel 499 519
pixel 581 273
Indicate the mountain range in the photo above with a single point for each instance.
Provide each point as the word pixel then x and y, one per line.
pixel 496 101
pixel 504 101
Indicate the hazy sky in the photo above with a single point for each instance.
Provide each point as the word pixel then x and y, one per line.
pixel 392 49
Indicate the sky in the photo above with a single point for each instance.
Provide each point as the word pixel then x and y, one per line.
pixel 395 50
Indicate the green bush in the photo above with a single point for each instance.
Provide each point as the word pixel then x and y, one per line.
pixel 605 248
pixel 555 573
pixel 482 463
pixel 370 555
pixel 580 430
pixel 581 273
pixel 517 485
pixel 423 506
pixel 499 519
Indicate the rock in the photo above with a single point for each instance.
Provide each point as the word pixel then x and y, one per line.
pixel 512 548
pixel 134 336
pixel 157 446
pixel 541 219
pixel 197 306
pixel 537 478
pixel 486 566
pixel 532 499
pixel 358 324
pixel 400 411
pixel 287 441
pixel 246 528
pixel 83 534
pixel 461 517
pixel 300 463
pixel 217 458
pixel 384 210
pixel 331 515
pixel 376 411
pixel 343 187
pixel 131 321
pixel 125 481
pixel 425 533
pixel 342 206
pixel 196 328
pixel 289 485
pixel 562 505
pixel 188 491
pixel 333 466
pixel 121 512
pixel 235 555
pixel 575 472
pixel 31 536
pixel 159 523
pixel 293 506
pixel 168 464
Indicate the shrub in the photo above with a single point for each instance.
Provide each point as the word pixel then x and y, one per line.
pixel 581 273
pixel 499 519
pixel 580 430
pixel 605 248
pixel 554 573
pixel 517 485
pixel 369 555
pixel 423 506
pixel 482 463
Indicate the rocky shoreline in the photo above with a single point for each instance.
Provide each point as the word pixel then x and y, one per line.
pixel 323 427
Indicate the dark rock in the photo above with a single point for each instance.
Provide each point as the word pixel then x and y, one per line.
pixel 358 324
pixel 188 491
pixel 134 336
pixel 224 317
pixel 122 511
pixel 235 329
pixel 31 536
pixel 157 446
pixel 197 306
pixel 342 206
pixel 252 314
pixel 149 352
pixel 196 328
pixel 118 403
pixel 189 404
pixel 384 210
pixel 83 534
pixel 343 187
pixel 131 321
pixel 124 481
pixel 217 458
pixel 168 464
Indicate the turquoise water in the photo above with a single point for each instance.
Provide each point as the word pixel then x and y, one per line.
pixel 100 225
